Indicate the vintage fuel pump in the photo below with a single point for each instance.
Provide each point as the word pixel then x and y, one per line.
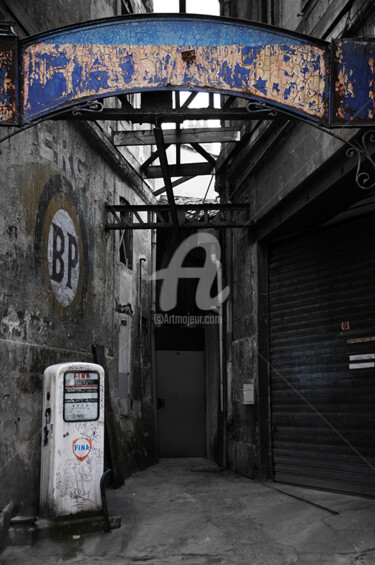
pixel 72 439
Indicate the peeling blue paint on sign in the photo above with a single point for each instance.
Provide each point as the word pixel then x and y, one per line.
pixel 144 53
pixel 65 67
pixel 8 80
pixel 353 97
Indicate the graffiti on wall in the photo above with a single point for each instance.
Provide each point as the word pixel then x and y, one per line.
pixel 80 468
pixel 75 483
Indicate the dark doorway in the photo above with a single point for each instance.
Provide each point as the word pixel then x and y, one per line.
pixel 182 404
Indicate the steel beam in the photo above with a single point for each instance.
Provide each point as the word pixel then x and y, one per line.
pixel 175 183
pixel 205 154
pixel 152 158
pixel 165 173
pixel 139 116
pixel 211 216
pixel 204 224
pixel 189 100
pixel 184 170
pixel 184 137
pixel 185 207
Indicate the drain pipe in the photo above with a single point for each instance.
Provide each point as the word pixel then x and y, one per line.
pixel 141 260
pixel 219 274
pixel 220 308
pixel 229 245
pixel 152 337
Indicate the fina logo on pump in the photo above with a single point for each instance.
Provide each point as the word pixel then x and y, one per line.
pixel 82 447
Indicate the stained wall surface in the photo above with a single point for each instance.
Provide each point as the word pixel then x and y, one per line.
pixel 63 286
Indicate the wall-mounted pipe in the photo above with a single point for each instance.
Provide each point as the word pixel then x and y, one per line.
pixel 152 338
pixel 141 260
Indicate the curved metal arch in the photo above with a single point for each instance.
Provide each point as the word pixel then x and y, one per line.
pixel 80 63
pixel 333 84
pixel 70 68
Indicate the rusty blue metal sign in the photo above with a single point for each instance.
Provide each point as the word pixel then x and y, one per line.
pixel 353 73
pixel 8 76
pixel 65 67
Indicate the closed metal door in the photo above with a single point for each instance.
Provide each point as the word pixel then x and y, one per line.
pixel 322 338
pixel 181 403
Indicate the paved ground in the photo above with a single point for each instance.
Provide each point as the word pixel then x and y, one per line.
pixel 185 512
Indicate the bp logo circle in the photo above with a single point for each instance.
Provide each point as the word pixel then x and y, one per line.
pixel 82 447
pixel 61 246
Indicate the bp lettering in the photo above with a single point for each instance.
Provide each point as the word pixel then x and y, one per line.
pixel 58 251
pixel 58 260
pixel 61 247
pixel 63 257
pixel 72 257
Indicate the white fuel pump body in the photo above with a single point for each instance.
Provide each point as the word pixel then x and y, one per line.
pixel 72 439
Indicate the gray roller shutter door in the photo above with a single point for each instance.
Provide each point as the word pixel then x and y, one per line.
pixel 323 412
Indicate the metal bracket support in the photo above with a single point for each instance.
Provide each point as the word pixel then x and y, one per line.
pixel 365 180
pixel 92 106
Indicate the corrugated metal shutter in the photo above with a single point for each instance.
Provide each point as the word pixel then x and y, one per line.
pixel 323 412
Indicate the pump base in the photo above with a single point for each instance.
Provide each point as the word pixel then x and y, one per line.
pixel 74 526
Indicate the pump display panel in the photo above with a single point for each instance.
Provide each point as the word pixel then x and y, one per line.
pixel 81 396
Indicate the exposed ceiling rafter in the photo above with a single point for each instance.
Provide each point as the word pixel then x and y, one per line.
pixel 183 170
pixel 199 216
pixel 182 137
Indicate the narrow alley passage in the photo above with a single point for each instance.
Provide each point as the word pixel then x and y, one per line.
pixel 186 511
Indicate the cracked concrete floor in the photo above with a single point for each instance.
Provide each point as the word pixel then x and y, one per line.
pixel 184 511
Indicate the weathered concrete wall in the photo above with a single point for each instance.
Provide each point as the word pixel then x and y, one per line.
pixel 298 152
pixel 241 353
pixel 62 283
pixel 289 14
pixel 38 15
pixel 53 170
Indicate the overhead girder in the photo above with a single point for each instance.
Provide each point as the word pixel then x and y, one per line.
pixel 191 135
pixel 331 84
pixel 197 216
